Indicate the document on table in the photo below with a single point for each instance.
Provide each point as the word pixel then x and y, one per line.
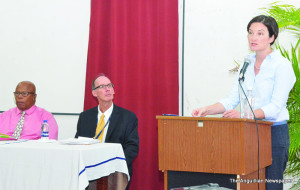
pixel 80 141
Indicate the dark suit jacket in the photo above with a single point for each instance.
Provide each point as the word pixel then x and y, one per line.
pixel 122 129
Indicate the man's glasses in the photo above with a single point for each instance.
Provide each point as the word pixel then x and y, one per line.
pixel 103 86
pixel 24 94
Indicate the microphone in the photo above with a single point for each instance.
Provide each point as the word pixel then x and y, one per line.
pixel 244 68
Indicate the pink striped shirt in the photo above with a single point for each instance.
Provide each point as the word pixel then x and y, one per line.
pixel 32 123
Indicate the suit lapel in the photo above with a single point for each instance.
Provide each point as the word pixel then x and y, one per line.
pixel 94 120
pixel 113 122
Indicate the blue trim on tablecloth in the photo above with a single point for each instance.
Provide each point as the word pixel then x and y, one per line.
pixel 15 141
pixel 95 165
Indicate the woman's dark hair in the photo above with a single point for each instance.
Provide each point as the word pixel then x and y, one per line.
pixel 269 22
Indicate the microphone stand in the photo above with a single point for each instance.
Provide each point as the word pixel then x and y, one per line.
pixel 243 114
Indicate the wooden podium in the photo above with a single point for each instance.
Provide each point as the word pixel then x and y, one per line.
pixel 216 146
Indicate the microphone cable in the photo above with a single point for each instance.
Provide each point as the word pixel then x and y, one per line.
pixel 258 180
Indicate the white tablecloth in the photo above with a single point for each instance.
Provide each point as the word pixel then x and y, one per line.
pixel 33 165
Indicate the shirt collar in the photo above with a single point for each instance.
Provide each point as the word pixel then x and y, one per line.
pixel 271 55
pixel 29 111
pixel 107 113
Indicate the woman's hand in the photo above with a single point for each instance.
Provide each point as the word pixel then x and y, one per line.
pixel 200 112
pixel 216 108
pixel 232 114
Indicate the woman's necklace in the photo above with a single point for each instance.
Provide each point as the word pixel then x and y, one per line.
pixel 256 67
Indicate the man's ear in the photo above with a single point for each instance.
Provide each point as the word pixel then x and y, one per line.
pixel 94 93
pixel 34 97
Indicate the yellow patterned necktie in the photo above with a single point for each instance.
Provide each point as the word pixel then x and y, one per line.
pixel 100 127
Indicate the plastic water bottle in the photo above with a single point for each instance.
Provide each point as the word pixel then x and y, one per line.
pixel 247 110
pixel 45 131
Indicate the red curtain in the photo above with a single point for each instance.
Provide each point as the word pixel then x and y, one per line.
pixel 135 43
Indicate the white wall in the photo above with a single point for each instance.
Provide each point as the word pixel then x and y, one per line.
pixel 67 126
pixel 46 42
pixel 215 36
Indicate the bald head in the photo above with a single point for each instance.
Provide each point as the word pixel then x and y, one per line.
pixel 25 95
pixel 29 84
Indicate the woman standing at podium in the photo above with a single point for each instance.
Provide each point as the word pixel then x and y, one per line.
pixel 271 77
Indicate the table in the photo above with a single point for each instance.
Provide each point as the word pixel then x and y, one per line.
pixel 33 165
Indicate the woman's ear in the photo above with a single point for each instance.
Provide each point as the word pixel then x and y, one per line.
pixel 271 39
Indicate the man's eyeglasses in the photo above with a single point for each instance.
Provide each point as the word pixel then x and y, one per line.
pixel 103 86
pixel 24 94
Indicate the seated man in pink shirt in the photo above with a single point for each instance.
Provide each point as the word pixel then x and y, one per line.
pixel 27 116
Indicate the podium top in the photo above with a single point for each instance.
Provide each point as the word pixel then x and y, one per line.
pixel 212 119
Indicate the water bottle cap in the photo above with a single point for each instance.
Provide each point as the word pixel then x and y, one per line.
pixel 44 121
